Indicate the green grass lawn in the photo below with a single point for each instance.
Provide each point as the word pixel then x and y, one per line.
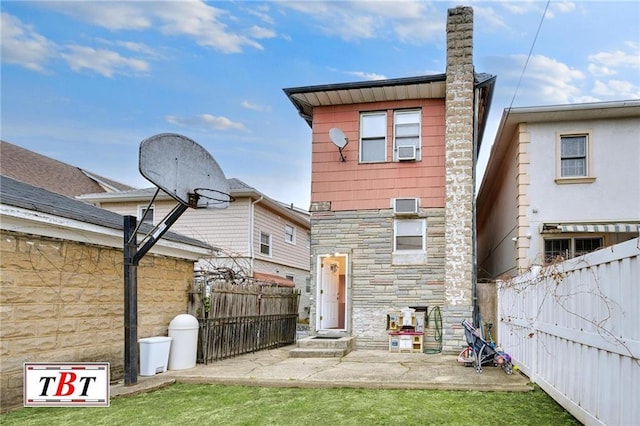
pixel 245 405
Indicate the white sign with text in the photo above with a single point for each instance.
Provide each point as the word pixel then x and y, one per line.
pixel 83 384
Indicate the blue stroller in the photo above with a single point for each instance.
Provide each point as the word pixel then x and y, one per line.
pixel 480 352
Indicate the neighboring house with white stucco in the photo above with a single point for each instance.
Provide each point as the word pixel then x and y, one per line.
pixel 561 181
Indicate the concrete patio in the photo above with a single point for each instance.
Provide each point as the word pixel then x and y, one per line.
pixel 359 369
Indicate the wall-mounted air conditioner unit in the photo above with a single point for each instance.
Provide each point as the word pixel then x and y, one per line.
pixel 406 153
pixel 405 206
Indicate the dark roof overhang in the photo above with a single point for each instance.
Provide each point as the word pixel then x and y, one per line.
pixel 485 84
pixel 434 86
pixel 307 97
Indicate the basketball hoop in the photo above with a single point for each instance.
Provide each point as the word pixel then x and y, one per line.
pixel 177 165
pixel 174 164
pixel 212 197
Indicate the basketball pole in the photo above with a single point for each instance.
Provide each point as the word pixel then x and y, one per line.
pixel 132 256
pixel 130 302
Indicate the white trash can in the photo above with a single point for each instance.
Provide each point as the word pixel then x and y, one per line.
pixel 154 355
pixel 184 350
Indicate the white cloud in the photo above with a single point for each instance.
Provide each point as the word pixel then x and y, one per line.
pixel 564 6
pixel 203 23
pixel 255 107
pixel 545 81
pixel 22 46
pixel 409 21
pixel 618 63
pixel 520 7
pixel 366 75
pixel 415 31
pixel 261 12
pixel 195 19
pixel 102 61
pixel 491 20
pixel 617 58
pixel 206 121
pixel 261 32
pixel 138 48
pixel 616 89
pixel 600 71
pixel 111 15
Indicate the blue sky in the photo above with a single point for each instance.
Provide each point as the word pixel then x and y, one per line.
pixel 85 82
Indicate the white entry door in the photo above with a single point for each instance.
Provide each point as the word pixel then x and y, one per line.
pixel 329 295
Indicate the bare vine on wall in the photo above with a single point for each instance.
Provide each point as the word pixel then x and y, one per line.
pixel 571 300
pixel 61 280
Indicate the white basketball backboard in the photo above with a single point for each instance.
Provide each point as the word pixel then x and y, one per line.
pixel 181 168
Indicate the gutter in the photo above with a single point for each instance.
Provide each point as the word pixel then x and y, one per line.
pixel 251 233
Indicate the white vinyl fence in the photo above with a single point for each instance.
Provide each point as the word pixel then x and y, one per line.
pixel 574 329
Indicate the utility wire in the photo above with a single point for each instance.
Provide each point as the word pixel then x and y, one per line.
pixel 529 55
pixel 515 92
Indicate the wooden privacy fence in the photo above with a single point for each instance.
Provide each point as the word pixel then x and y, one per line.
pixel 237 318
pixel 574 329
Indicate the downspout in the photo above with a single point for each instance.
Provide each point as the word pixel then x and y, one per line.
pixel 251 233
pixel 476 315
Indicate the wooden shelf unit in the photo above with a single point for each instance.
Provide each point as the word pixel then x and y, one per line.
pixel 406 341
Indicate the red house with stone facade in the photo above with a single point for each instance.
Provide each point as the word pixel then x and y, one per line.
pixel 392 210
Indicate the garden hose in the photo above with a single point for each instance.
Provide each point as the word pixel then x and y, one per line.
pixel 436 315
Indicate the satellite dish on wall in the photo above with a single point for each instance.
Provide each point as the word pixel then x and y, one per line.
pixel 339 139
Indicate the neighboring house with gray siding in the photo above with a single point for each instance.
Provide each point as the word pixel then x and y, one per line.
pixel 561 181
pixel 259 236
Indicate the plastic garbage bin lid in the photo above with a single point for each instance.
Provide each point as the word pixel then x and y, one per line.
pixel 184 322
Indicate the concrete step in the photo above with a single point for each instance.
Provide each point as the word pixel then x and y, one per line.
pixel 316 353
pixel 337 342
pixel 323 346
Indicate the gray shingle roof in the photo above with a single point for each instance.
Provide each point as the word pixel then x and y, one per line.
pixel 53 175
pixel 19 194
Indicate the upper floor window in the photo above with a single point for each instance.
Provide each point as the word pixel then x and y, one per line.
pixel 265 243
pixel 574 158
pixel 290 234
pixel 373 137
pixel 406 130
pixel 145 214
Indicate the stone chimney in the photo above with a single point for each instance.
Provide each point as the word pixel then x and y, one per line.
pixel 459 178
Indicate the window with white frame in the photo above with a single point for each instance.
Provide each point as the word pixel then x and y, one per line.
pixel 373 137
pixel 145 214
pixel 406 134
pixel 558 249
pixel 573 155
pixel 574 158
pixel 409 235
pixel 290 234
pixel 265 243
